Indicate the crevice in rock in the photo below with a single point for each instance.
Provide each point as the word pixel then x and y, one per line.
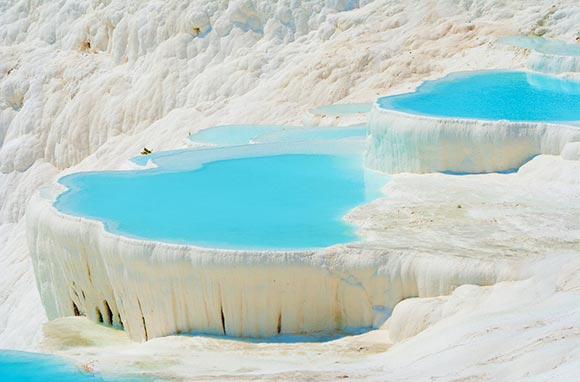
pixel 108 313
pixel 143 320
pixel 89 273
pixel 99 315
pixel 279 328
pixel 223 319
pixel 75 309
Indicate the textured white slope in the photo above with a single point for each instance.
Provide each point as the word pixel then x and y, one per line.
pixel 148 80
pixel 20 306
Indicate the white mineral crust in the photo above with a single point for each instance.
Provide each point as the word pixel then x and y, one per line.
pixel 85 85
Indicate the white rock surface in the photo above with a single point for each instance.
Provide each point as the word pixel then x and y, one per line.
pixel 518 330
pixel 148 79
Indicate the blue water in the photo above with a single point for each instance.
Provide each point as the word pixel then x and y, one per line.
pixel 493 95
pixel 286 201
pixel 142 160
pixel 234 135
pixel 16 366
pixel 313 134
pixel 542 45
pixel 342 109
pixel 311 337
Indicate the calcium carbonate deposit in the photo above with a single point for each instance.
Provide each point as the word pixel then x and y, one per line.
pixel 475 123
pixel 466 268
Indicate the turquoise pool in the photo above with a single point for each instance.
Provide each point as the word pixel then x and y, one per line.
pixel 235 135
pixel 282 202
pixel 493 95
pixel 313 134
pixel 17 366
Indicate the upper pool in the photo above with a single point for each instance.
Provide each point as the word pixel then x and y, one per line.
pixel 234 135
pixel 283 201
pixel 343 108
pixel 543 45
pixel 300 134
pixel 493 95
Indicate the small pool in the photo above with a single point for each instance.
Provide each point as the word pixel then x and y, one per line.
pixel 542 45
pixel 17 366
pixel 234 135
pixel 313 134
pixel 343 109
pixel 493 95
pixel 284 202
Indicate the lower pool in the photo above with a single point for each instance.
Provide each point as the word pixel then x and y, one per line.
pixel 288 201
pixel 16 366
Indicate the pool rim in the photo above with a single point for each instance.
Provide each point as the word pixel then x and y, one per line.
pixel 52 192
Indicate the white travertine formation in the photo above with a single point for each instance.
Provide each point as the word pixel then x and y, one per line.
pixel 155 289
pixel 553 63
pixel 527 221
pixel 154 73
pixel 571 151
pixel 403 142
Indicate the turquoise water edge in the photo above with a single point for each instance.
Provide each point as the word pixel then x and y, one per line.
pixel 18 366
